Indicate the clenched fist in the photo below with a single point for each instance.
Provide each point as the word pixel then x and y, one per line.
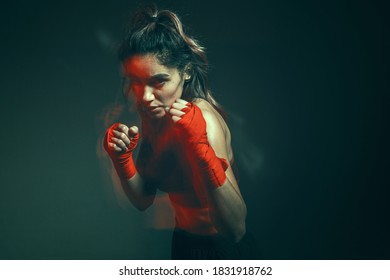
pixel 120 142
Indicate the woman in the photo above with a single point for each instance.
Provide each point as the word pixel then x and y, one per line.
pixel 185 149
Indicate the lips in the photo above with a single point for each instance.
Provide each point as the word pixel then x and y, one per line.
pixel 152 108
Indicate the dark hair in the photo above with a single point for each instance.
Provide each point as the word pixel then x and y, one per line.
pixel 161 33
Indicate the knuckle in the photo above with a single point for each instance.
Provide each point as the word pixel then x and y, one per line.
pixel 115 126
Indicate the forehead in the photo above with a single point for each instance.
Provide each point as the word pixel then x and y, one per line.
pixel 145 66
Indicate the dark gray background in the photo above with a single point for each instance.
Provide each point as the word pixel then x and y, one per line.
pixel 306 87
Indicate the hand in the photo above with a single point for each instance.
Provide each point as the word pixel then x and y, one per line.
pixel 120 138
pixel 189 122
pixel 177 109
pixel 120 142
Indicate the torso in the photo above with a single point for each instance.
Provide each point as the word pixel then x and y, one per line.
pixel 162 163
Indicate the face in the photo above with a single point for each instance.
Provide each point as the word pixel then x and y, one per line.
pixel 154 86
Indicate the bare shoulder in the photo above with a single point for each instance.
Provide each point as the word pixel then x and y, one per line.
pixel 211 115
pixel 218 132
pixel 203 104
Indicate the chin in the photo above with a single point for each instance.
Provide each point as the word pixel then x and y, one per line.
pixel 157 115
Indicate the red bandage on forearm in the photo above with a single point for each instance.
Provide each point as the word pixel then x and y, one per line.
pixel 192 127
pixel 123 161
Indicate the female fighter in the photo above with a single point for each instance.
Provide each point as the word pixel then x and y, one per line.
pixel 184 140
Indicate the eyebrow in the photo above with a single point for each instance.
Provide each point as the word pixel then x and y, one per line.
pixel 159 76
pixel 154 77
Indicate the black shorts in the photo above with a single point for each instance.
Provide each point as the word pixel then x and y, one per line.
pixel 188 246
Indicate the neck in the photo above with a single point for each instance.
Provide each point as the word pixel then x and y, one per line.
pixel 155 127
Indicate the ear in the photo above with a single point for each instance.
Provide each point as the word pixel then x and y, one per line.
pixel 187 77
pixel 187 72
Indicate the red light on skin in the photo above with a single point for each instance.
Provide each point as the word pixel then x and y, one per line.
pixel 165 214
pixel 162 214
pixel 195 167
pixel 154 86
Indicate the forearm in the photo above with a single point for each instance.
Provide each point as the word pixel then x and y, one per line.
pixel 205 136
pixel 138 193
pixel 227 211
pixel 120 142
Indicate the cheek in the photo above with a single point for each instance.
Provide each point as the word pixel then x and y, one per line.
pixel 171 93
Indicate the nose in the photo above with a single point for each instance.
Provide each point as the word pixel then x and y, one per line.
pixel 148 95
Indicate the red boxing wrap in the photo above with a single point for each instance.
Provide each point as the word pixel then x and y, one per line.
pixel 123 161
pixel 192 127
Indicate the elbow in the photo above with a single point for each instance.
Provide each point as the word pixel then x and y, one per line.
pixel 234 234
pixel 234 230
pixel 239 230
pixel 238 233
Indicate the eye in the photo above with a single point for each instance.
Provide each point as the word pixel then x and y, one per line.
pixel 158 83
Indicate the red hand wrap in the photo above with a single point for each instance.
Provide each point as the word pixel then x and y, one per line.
pixel 123 161
pixel 192 127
